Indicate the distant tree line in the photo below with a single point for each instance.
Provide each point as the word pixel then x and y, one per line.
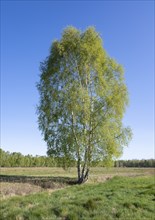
pixel 16 159
pixel 135 163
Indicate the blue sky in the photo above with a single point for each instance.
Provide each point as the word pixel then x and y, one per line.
pixel 27 31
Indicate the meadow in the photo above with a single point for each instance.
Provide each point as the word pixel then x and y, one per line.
pixel 50 193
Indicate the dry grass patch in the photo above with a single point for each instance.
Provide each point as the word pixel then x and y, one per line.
pixel 12 189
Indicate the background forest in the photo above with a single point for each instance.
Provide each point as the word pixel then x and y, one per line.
pixel 16 159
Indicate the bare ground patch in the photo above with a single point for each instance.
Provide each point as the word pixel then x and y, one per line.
pixel 12 185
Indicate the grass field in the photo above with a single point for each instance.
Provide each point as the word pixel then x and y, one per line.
pixel 45 193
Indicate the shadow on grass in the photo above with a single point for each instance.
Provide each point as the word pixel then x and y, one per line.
pixel 42 181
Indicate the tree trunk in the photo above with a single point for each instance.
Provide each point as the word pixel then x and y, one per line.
pixel 79 169
pixel 83 177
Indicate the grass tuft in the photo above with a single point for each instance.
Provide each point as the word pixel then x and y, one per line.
pixel 90 204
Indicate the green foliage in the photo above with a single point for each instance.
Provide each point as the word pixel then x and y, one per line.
pixel 83 98
pixel 118 198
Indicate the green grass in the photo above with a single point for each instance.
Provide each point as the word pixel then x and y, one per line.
pixel 123 198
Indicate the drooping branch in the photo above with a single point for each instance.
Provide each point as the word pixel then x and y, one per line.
pixel 99 122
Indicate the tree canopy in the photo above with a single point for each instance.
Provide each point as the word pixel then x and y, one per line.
pixel 83 97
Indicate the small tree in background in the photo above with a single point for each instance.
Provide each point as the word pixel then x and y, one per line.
pixel 83 98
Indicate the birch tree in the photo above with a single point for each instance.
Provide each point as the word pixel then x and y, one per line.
pixel 83 97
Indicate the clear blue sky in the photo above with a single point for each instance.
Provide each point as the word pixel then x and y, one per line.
pixel 27 31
